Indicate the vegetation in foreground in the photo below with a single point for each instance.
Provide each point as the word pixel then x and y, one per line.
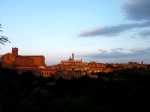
pixel 126 90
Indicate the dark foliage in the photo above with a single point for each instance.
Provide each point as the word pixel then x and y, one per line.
pixel 3 39
pixel 127 90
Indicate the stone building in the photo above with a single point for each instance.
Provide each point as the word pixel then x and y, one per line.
pixel 71 61
pixel 15 61
pixel 94 67
pixel 66 69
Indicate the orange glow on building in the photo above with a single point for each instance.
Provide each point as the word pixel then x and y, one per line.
pixel 13 60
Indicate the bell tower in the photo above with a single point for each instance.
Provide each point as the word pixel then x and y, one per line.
pixel 15 51
pixel 73 56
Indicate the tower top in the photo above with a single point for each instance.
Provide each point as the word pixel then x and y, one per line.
pixel 73 56
pixel 15 51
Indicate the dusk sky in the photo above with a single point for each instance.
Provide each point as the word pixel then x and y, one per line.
pixel 105 31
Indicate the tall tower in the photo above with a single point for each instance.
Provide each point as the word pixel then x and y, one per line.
pixel 73 56
pixel 15 51
pixel 142 62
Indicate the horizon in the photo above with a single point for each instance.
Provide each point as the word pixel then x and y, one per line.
pixel 100 31
pixel 80 59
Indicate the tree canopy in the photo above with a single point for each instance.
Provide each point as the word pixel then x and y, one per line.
pixel 3 39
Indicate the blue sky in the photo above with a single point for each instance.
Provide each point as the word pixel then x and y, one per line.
pixel 104 31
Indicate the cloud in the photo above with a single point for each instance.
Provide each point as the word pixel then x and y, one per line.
pixel 117 49
pixel 145 33
pixel 137 9
pixel 134 10
pixel 148 48
pixel 112 54
pixel 105 55
pixel 138 50
pixel 102 50
pixel 114 30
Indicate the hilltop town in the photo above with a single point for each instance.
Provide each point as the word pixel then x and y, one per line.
pixel 66 69
pixel 27 84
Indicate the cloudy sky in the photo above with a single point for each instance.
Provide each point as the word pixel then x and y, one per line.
pixel 105 31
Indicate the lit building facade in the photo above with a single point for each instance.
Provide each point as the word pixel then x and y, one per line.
pixel 15 61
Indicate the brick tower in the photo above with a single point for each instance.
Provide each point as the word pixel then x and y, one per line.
pixel 73 56
pixel 15 51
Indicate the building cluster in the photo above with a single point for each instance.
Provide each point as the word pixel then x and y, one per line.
pixel 66 69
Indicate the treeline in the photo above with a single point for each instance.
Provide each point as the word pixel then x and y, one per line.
pixel 28 93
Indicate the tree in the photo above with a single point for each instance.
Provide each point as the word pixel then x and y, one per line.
pixel 3 39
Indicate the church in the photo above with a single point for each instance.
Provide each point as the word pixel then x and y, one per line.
pixel 71 61
pixel 14 61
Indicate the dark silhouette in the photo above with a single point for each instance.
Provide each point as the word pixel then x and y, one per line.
pixel 3 39
pixel 127 90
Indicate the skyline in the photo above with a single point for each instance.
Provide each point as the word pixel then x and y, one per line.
pixel 101 31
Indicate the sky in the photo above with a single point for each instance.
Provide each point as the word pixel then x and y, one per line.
pixel 105 31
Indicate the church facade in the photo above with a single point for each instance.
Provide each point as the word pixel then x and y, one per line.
pixel 14 61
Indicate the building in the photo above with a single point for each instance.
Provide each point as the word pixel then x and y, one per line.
pixel 71 61
pixel 15 61
pixel 66 69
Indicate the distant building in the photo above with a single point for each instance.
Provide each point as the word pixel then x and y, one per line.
pixel 71 61
pixel 15 61
pixel 66 69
